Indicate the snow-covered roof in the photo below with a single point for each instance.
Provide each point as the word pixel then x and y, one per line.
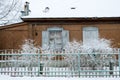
pixel 73 8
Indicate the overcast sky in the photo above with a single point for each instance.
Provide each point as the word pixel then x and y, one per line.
pixel 84 8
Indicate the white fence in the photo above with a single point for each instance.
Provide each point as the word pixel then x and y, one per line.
pixel 60 64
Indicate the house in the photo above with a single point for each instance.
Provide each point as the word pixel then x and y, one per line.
pixel 57 31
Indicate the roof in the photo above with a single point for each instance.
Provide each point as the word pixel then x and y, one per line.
pixel 65 20
pixel 12 25
pixel 73 8
pixel 72 19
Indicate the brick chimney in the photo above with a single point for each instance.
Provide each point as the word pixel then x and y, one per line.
pixel 26 9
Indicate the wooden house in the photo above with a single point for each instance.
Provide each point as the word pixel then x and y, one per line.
pixel 55 32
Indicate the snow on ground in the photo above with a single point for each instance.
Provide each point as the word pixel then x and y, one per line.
pixel 52 78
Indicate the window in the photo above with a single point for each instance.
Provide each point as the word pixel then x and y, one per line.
pixel 90 33
pixel 55 38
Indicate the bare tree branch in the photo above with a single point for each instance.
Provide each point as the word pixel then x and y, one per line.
pixel 10 11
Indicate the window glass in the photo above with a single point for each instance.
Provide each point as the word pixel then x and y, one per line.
pixel 55 39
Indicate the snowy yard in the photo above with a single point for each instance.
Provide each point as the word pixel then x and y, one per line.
pixel 53 78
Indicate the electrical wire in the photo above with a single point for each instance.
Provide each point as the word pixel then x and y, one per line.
pixel 17 12
pixel 9 10
pixel 14 11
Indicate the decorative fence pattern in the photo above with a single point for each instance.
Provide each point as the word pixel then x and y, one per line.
pixel 60 64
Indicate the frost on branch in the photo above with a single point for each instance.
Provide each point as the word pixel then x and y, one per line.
pixel 91 53
pixel 73 46
pixel 94 45
pixel 97 45
pixel 28 57
pixel 28 47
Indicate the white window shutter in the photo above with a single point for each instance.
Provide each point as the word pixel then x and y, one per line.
pixel 65 35
pixel 90 33
pixel 45 39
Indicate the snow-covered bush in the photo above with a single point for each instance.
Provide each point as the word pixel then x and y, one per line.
pixel 93 49
pixel 94 45
pixel 29 51
pixel 28 47
pixel 91 53
pixel 73 46
pixel 28 55
pixel 97 45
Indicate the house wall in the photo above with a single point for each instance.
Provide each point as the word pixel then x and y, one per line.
pixel 107 31
pixel 13 37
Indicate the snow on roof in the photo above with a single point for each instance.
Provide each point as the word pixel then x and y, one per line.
pixel 73 8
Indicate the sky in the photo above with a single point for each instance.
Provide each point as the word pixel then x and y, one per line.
pixel 83 8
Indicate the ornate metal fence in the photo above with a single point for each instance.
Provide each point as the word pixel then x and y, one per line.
pixel 60 64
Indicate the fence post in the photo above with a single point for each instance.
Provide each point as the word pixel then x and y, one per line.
pixel 79 63
pixel 119 60
pixel 39 61
pixel 111 67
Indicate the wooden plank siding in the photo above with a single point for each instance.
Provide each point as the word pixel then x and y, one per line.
pixel 11 37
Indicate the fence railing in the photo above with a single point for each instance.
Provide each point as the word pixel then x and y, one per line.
pixel 60 64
